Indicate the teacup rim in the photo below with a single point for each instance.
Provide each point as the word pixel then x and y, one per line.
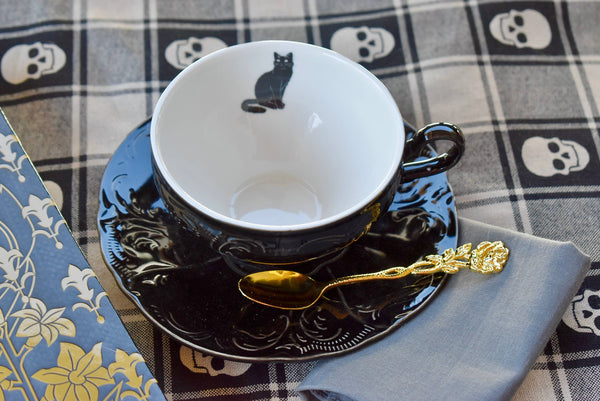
pixel 392 173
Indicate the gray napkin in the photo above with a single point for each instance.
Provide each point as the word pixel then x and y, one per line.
pixel 478 338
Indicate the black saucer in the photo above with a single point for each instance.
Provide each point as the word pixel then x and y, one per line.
pixel 191 293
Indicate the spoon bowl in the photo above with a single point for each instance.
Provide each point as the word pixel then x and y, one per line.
pixel 282 289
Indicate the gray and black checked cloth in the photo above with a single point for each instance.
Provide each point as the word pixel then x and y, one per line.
pixel 522 78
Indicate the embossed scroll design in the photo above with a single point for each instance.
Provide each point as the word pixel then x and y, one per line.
pixel 34 323
pixel 178 281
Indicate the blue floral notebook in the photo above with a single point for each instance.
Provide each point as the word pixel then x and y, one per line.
pixel 60 338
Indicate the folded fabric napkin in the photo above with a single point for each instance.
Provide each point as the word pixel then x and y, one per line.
pixel 476 340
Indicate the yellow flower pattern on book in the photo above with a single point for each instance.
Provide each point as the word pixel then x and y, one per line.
pixel 77 376
pixel 36 322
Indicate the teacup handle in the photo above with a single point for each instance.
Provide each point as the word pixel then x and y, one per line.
pixel 440 163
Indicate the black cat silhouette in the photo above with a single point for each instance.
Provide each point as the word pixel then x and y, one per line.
pixel 270 86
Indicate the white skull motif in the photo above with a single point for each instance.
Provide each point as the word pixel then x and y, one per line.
pixel 583 315
pixel 363 44
pixel 527 28
pixel 55 192
pixel 23 62
pixel 547 157
pixel 197 362
pixel 183 52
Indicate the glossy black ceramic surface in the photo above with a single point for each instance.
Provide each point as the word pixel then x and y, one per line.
pixel 190 291
pixel 248 244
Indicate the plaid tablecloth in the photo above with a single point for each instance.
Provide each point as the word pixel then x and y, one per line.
pixel 522 78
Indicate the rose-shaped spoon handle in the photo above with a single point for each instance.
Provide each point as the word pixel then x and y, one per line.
pixel 286 289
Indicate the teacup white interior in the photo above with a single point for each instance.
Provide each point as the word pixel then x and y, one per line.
pixel 333 147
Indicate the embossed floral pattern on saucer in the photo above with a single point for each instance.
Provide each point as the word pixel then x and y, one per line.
pixel 190 292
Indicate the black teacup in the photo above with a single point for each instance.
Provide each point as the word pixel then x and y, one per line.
pixel 280 152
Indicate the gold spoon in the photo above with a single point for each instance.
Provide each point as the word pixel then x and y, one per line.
pixel 286 289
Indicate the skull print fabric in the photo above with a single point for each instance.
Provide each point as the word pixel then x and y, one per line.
pixel 549 156
pixel 38 60
pixel 363 44
pixel 527 28
pixel 584 314
pixel 521 28
pixel 23 62
pixel 183 52
pixel 372 43
pixel 521 78
pixel 178 48
pixel 554 156
pixel 197 362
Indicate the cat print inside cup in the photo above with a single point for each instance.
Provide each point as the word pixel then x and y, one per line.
pixel 271 85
